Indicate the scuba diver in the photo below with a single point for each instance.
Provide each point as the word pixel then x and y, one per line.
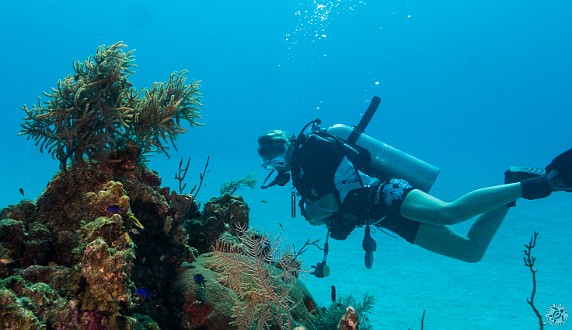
pixel 344 184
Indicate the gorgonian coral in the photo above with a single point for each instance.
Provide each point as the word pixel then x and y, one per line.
pixel 97 108
pixel 262 290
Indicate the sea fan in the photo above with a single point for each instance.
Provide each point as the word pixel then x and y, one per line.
pixel 262 290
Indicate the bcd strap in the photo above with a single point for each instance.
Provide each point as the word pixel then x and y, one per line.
pixel 354 136
pixel 360 128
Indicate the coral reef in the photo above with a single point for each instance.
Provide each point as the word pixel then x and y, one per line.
pixel 92 257
pixel 106 247
pixel 79 245
pixel 97 109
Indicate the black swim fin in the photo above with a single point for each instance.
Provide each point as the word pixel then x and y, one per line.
pixel 558 178
pixel 559 172
pixel 518 174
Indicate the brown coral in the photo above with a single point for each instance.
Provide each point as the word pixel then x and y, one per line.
pixel 220 215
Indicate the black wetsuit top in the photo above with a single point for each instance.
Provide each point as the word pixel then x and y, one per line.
pixel 315 160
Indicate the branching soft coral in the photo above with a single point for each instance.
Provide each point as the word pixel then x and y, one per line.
pixel 262 289
pixel 162 109
pixel 233 185
pixel 97 108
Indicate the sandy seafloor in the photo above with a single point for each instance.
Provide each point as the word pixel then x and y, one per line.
pixel 472 87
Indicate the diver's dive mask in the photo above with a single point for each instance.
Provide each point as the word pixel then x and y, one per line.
pixel 276 164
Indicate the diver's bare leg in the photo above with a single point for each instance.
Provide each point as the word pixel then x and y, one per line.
pixel 442 240
pixel 422 207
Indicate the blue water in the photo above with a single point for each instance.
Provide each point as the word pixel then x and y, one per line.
pixel 470 86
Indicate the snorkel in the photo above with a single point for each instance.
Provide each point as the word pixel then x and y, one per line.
pixel 281 179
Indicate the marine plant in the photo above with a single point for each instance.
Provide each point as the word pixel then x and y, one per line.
pixel 182 174
pixel 232 186
pixel 96 108
pixel 262 291
pixel 529 261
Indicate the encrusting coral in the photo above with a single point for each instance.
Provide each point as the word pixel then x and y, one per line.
pixel 97 108
pixel 220 214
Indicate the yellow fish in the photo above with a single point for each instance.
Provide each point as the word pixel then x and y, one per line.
pixel 136 221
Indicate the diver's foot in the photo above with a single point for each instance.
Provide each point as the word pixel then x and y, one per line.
pixel 518 174
pixel 559 172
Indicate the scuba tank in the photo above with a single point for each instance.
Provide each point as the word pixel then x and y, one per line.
pixel 386 161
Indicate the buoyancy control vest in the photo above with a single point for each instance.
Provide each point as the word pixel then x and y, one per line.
pixel 368 155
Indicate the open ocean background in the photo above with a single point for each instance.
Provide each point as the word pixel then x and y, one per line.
pixel 472 87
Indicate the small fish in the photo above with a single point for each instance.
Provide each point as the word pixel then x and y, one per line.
pixel 113 209
pixel 144 293
pixel 134 231
pixel 136 221
pixel 264 201
pixel 21 191
pixel 7 261
pixel 199 279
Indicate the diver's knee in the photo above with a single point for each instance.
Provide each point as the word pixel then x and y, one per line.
pixel 473 257
pixel 474 252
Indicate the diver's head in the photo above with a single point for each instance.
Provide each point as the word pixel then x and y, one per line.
pixel 275 148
